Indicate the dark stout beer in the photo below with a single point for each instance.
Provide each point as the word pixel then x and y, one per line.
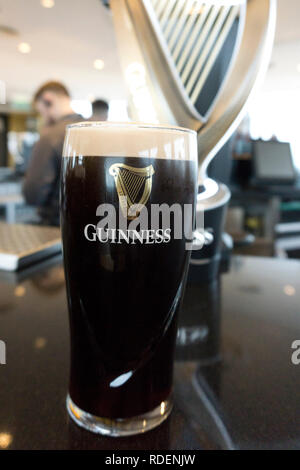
pixel 123 288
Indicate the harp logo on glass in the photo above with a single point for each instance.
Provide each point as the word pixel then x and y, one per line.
pixel 2 353
pixel 135 223
pixel 133 186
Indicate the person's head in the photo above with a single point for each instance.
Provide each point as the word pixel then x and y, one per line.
pixel 100 110
pixel 52 101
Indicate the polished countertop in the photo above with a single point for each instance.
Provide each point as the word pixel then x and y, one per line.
pixel 235 383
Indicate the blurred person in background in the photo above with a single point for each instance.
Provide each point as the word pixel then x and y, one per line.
pixel 41 186
pixel 100 110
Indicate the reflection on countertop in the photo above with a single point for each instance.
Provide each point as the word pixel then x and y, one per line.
pixel 235 384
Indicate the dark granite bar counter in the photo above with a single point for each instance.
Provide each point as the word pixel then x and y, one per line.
pixel 235 383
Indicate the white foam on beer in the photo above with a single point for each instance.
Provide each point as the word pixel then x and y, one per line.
pixel 110 139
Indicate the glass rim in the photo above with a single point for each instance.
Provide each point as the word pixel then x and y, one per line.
pixel 137 125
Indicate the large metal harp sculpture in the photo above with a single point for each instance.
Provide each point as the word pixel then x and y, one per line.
pixel 195 63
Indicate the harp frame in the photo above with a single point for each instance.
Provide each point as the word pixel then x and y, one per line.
pixel 152 83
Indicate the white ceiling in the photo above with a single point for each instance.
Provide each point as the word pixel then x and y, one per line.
pixel 66 40
pixel 288 14
pixel 283 73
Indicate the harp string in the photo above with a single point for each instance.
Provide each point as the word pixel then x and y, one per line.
pixel 129 182
pixel 132 182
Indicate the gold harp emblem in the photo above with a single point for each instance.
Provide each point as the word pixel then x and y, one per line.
pixel 133 185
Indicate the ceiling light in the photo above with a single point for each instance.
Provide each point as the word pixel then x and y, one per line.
pixel 47 3
pixel 298 68
pixel 98 64
pixel 289 290
pixel 24 47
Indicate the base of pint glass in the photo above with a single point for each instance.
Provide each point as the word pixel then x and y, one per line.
pixel 120 427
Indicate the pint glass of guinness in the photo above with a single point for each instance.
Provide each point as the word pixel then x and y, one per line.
pixel 128 194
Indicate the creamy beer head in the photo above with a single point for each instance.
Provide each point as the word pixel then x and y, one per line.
pixel 112 139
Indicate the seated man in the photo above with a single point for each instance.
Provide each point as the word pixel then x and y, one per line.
pixel 41 186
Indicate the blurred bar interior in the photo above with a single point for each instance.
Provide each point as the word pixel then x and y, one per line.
pixel 76 45
pixel 179 62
